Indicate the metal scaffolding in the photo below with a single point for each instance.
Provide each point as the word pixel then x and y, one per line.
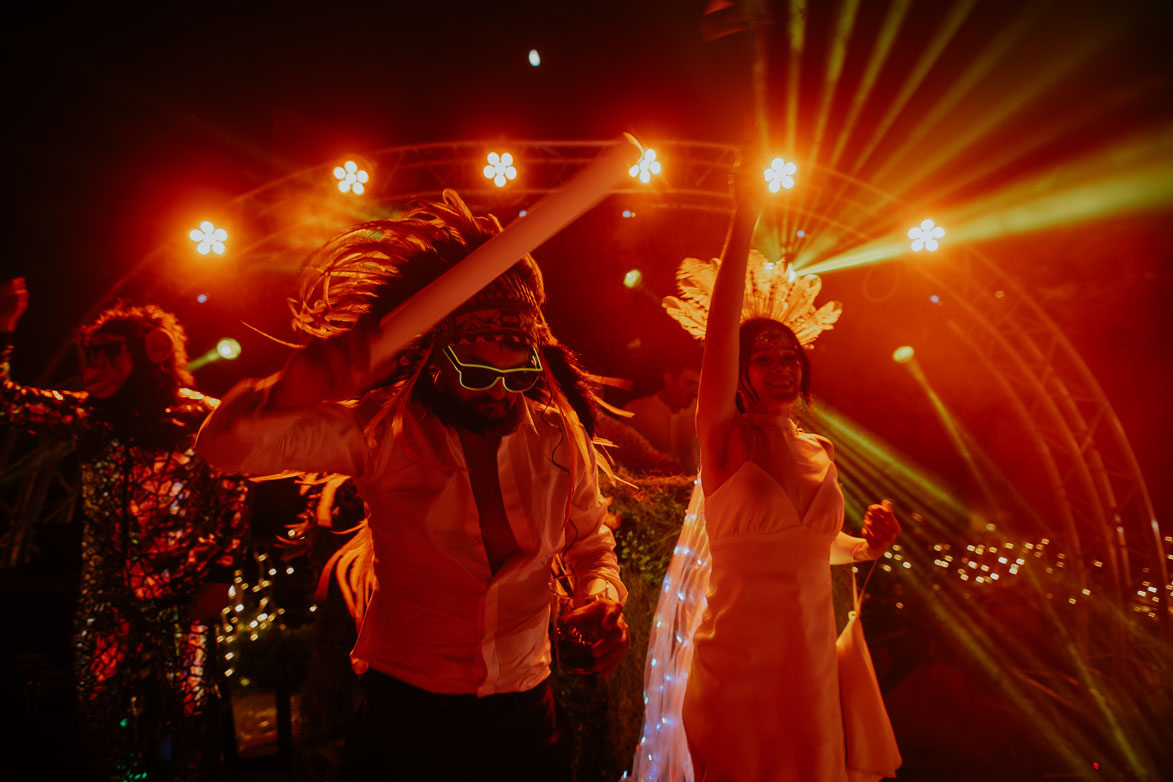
pixel 1105 513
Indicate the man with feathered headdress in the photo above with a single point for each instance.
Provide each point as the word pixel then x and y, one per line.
pixel 471 450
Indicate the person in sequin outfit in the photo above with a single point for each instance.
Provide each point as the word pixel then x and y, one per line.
pixel 162 530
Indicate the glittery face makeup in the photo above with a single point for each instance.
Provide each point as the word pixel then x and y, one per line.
pixel 775 338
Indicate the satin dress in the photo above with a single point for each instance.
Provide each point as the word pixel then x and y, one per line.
pixel 762 701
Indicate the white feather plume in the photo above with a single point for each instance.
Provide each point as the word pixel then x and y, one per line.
pixel 772 290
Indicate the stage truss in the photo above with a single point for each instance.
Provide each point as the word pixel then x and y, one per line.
pixel 1106 517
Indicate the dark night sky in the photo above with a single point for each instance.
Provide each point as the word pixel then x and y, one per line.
pixel 122 124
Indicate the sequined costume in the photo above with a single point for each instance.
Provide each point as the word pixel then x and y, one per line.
pixel 159 523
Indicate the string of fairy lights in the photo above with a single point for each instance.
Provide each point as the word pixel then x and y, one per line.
pixel 996 564
pixel 966 569
pixel 252 611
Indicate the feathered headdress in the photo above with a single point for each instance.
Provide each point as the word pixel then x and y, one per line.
pixel 772 290
pixel 373 267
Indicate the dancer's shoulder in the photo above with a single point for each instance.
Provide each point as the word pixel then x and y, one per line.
pixel 826 444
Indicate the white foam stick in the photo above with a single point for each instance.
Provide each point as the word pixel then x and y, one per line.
pixel 496 256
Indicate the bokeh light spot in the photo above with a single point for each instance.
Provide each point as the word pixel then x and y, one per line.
pixel 228 348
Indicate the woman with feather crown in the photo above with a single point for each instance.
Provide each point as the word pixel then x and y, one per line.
pixel 743 681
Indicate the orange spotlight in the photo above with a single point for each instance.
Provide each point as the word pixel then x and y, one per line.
pixel 209 238
pixel 925 236
pixel 646 167
pixel 351 178
pixel 500 168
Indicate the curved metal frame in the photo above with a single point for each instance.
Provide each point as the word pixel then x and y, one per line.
pixel 1091 466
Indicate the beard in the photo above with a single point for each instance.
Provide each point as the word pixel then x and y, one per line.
pixel 477 418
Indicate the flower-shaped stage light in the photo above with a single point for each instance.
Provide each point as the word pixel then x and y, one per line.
pixel 209 238
pixel 500 169
pixel 646 167
pixel 925 236
pixel 780 175
pixel 351 178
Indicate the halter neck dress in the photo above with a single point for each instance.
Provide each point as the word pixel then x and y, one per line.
pixel 762 699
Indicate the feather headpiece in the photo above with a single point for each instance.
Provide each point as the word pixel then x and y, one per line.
pixel 772 290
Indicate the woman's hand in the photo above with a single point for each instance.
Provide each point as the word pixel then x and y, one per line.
pixel 880 529
pixel 14 300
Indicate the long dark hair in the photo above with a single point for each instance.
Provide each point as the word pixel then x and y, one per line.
pixel 746 337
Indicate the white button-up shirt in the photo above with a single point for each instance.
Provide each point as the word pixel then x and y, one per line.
pixel 440 619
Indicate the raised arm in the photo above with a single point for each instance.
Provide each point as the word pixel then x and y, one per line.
pixel 40 411
pixel 248 435
pixel 716 409
pixel 326 370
